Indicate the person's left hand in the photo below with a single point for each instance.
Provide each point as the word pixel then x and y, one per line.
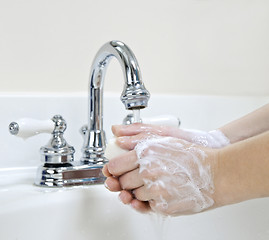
pixel 164 174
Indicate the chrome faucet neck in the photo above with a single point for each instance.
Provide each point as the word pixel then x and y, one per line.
pixel 134 95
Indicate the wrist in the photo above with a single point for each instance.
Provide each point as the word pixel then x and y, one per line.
pixel 228 179
pixel 241 171
pixel 213 160
pixel 211 139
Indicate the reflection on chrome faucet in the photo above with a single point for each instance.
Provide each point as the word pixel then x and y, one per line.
pixel 59 168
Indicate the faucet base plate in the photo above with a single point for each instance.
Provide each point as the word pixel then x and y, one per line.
pixel 69 175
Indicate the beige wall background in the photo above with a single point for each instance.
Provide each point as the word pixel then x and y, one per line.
pixel 216 47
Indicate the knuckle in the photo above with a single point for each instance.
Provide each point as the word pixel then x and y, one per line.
pixel 137 194
pixel 146 174
pixel 112 166
pixel 122 183
pixel 149 175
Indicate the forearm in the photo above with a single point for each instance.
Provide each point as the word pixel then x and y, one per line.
pixel 242 171
pixel 250 125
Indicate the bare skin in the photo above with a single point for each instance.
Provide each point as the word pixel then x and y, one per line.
pixel 240 170
pixel 247 126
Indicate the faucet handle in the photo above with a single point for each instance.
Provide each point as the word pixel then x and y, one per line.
pixel 57 151
pixel 28 127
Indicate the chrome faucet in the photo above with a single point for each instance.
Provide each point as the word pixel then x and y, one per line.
pixel 134 96
pixel 59 168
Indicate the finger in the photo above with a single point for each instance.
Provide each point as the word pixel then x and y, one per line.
pixel 126 197
pixel 106 172
pixel 142 194
pixel 142 207
pixel 136 128
pixel 145 193
pixel 121 164
pixel 126 130
pixel 112 184
pixel 129 142
pixel 131 180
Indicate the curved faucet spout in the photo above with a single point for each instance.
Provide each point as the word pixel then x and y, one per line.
pixel 134 95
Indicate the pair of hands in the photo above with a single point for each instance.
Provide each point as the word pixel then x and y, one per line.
pixel 166 170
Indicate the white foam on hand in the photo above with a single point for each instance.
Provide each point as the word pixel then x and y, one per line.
pixel 178 173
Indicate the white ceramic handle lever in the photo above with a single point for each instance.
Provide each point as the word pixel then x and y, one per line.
pixel 27 127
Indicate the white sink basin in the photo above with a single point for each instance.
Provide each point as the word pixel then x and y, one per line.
pixel 28 212
pixel 84 213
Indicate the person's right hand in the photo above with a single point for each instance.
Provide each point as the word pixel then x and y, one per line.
pixel 211 139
